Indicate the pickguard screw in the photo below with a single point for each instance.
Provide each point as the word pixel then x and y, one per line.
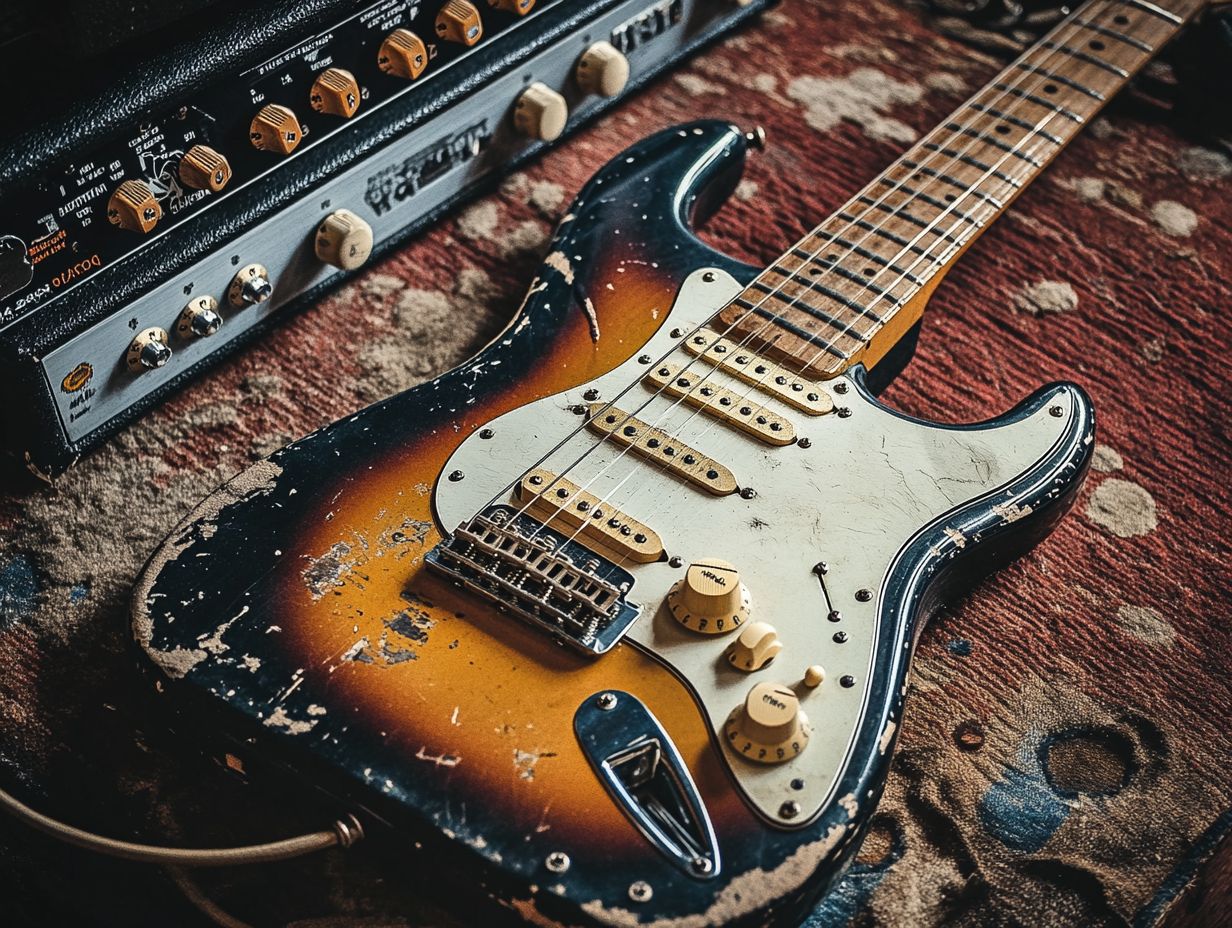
pixel 708 277
pixel 486 433
pixel 835 616
pixel 805 443
pixel 840 387
pixel 643 359
pixel 677 333
pixel 843 412
pixel 748 493
pixel 847 681
pixel 592 394
pixel 640 891
pixel 864 595
pixel 557 862
pixel 1056 412
pixel 789 809
pixel 840 637
pixel 607 701
pixel 675 561
pixel 579 410
pixel 821 568
pixel 456 476
pixel 701 865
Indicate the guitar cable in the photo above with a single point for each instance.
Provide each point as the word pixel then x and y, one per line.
pixel 344 833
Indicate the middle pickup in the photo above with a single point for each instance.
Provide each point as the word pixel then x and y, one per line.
pixel 721 403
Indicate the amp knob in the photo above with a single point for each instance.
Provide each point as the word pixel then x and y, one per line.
pixel 402 54
pixel 275 128
pixel 343 240
pixel 541 113
pixel 516 7
pixel 250 286
pixel 458 21
pixel 148 350
pixel 336 92
pixel 603 70
pixel 202 168
pixel 199 318
pixel 770 727
pixel 710 599
pixel 133 207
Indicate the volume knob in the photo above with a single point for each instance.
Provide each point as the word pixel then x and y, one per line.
pixel 402 54
pixel 516 7
pixel 756 647
pixel 458 21
pixel 250 286
pixel 202 168
pixel 541 113
pixel 770 727
pixel 133 207
pixel 343 240
pixel 199 318
pixel 602 69
pixel 710 599
pixel 336 92
pixel 148 350
pixel 275 128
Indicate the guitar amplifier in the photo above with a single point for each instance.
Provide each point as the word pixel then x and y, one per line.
pixel 192 194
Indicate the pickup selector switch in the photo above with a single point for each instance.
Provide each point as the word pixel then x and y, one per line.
pixel 202 168
pixel 757 645
pixel 516 7
pixel 770 727
pixel 710 599
pixel 343 240
pixel 132 206
pixel 148 350
pixel 458 21
pixel 541 113
pixel 402 54
pixel 199 318
pixel 275 128
pixel 336 92
pixel 603 69
pixel 250 286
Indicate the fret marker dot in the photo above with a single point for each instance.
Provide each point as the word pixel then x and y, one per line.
pixel 1003 129
pixel 1050 88
pixel 1097 45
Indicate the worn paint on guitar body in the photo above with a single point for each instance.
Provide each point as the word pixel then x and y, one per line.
pixel 292 610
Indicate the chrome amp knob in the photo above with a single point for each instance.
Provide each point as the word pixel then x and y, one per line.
pixel 250 286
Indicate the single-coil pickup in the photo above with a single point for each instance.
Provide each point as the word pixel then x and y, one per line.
pixel 765 375
pixel 557 501
pixel 662 448
pixel 723 404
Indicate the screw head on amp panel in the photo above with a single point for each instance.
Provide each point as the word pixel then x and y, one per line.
pixel 250 286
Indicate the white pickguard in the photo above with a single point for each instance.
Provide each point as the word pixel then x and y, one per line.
pixel 867 483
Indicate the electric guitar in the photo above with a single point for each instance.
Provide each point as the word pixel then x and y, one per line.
pixel 613 621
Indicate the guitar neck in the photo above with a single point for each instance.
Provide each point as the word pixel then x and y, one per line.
pixel 846 292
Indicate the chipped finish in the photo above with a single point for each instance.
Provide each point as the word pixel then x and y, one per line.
pixel 484 707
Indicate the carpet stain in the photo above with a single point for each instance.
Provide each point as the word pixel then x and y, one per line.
pixel 1046 298
pixel 1174 218
pixel 1122 508
pixel 863 97
pixel 1146 624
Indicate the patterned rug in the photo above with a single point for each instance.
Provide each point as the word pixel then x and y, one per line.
pixel 1064 759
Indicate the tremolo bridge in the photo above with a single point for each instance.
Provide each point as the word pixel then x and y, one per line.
pixel 541 576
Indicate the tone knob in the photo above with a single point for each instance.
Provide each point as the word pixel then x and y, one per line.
pixel 402 54
pixel 336 92
pixel 199 318
pixel 755 648
pixel 516 7
pixel 770 727
pixel 458 21
pixel 249 287
pixel 602 69
pixel 275 128
pixel 710 599
pixel 202 168
pixel 132 206
pixel 344 240
pixel 541 113
pixel 148 350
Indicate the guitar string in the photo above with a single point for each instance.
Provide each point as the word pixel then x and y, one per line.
pixel 1014 84
pixel 970 192
pixel 955 159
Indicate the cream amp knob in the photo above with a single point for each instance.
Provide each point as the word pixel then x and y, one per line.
pixel 343 240
pixel 710 599
pixel 541 113
pixel 603 70
pixel 755 648
pixel 770 727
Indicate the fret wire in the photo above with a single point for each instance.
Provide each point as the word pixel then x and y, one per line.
pixel 1075 57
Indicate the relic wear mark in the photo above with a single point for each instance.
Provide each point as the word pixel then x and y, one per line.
pixel 331 570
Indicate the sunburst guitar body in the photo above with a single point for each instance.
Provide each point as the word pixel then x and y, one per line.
pixel 611 623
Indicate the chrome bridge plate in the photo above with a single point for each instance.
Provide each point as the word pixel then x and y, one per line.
pixel 541 576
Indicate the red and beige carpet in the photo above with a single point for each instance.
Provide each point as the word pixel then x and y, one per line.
pixel 1065 756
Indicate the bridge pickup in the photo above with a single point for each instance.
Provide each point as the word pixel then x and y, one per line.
pixel 658 446
pixel 723 404
pixel 541 576
pixel 556 500
pixel 774 379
